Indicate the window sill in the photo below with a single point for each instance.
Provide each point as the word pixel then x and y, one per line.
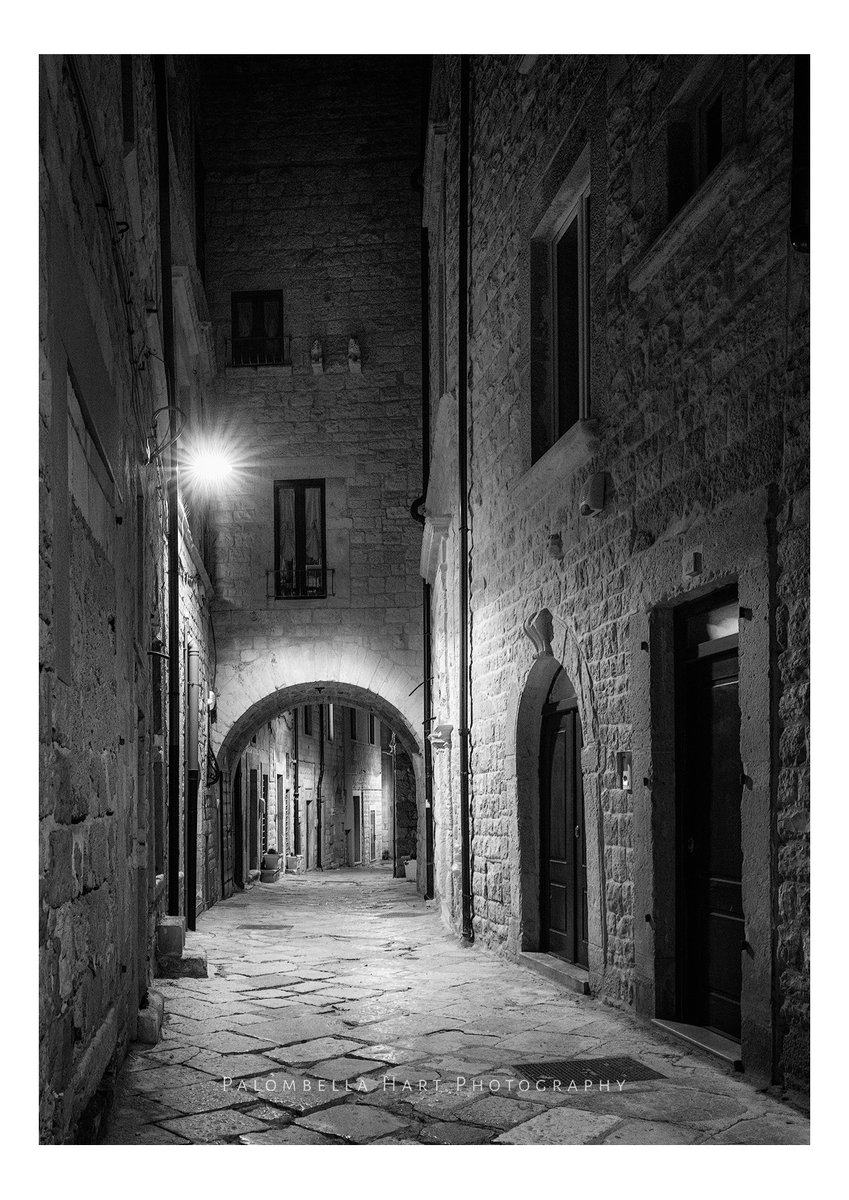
pixel 722 179
pixel 564 458
pixel 260 369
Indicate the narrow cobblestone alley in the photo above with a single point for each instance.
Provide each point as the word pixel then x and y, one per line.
pixel 339 1011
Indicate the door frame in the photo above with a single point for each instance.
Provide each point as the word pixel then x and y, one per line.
pixel 734 548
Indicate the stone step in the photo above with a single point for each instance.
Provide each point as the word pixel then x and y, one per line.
pixel 191 964
pixel 150 1019
pixel 568 975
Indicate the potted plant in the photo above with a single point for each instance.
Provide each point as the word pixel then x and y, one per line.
pixel 270 859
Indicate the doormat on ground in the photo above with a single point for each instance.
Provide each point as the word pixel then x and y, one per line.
pixel 595 1070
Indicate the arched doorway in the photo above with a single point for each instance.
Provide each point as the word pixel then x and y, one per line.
pixel 555 699
pixel 563 836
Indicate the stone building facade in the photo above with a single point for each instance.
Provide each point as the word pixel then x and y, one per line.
pixel 106 790
pixel 637 400
pixel 313 265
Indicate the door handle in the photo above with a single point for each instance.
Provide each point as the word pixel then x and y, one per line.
pixel 577 832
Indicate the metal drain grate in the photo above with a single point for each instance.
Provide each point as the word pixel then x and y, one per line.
pixel 269 928
pixel 594 1069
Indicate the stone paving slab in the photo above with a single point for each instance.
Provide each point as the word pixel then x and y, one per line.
pixel 354 1123
pixel 214 1126
pixel 560 1127
pixel 311 1027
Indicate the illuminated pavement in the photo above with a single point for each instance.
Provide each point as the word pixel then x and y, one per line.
pixel 341 1012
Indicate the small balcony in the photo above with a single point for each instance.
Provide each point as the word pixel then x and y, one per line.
pixel 311 583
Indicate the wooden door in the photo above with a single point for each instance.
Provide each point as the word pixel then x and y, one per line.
pixel 358 830
pixel 238 829
pixel 253 811
pixel 710 854
pixel 563 866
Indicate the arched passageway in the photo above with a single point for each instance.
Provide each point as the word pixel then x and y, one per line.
pixel 319 775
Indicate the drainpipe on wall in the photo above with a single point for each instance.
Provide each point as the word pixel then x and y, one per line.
pixel 161 89
pixel 318 787
pixel 463 448
pixel 296 813
pixel 192 782
pixel 418 515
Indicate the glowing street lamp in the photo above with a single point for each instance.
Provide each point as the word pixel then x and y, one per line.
pixel 208 465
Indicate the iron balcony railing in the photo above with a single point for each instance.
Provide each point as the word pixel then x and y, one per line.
pixel 311 583
pixel 261 351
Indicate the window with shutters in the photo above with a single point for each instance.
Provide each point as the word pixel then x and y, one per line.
pixel 300 568
pixel 257 329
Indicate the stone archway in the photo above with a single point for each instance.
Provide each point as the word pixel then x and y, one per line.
pixel 524 724
pixel 293 696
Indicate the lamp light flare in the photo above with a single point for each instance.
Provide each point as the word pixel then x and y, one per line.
pixel 209 465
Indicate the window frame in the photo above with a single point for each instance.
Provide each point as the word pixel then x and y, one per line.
pixel 353 724
pixel 577 209
pixel 301 591
pixel 256 297
pixel 307 720
pixel 371 729
pixel 689 111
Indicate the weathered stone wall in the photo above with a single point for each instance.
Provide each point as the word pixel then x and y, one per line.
pixel 698 382
pixel 311 195
pixel 103 579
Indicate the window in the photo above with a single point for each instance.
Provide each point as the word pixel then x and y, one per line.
pixel 300 570
pixel 371 729
pixel 308 721
pixel 352 723
pixel 570 351
pixel 331 723
pixel 257 329
pixel 560 255
pixel 695 144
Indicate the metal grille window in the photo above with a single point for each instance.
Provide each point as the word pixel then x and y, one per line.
pixel 257 328
pixel 300 567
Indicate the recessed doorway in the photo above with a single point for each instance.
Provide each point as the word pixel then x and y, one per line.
pixel 563 842
pixel 711 931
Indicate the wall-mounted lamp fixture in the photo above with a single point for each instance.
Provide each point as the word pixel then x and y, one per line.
pixel 155 448
pixel 624 775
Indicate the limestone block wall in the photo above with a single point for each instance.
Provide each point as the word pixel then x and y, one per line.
pixel 93 860
pixel 698 403
pixel 313 197
pixel 103 606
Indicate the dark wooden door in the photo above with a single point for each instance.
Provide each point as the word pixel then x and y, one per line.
pixel 238 828
pixel 563 842
pixel 253 818
pixel 710 850
pixel 358 830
